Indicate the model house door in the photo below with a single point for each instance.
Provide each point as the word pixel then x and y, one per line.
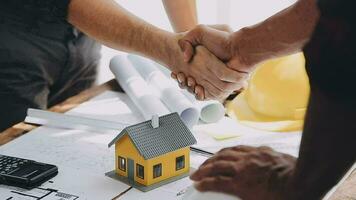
pixel 130 170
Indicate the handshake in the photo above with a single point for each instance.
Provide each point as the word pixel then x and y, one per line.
pixel 211 65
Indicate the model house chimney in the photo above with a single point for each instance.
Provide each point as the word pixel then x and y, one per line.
pixel 155 121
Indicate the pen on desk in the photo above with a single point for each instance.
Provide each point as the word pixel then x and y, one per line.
pixel 182 192
pixel 200 151
pixel 121 194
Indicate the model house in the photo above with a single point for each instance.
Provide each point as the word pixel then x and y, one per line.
pixel 154 152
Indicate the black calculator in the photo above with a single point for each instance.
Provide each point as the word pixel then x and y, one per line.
pixel 24 173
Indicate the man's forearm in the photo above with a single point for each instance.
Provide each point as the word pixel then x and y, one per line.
pixel 109 23
pixel 182 14
pixel 282 34
pixel 327 150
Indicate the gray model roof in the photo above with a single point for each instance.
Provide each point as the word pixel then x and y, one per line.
pixel 172 134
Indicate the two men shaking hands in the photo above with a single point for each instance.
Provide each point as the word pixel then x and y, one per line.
pixel 209 61
pixel 213 61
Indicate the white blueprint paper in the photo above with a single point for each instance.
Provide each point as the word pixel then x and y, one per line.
pixel 83 157
pixel 69 184
pixel 286 142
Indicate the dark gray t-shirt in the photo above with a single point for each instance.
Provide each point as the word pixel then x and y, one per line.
pixel 46 10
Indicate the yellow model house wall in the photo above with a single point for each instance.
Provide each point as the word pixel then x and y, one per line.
pixel 126 149
pixel 168 162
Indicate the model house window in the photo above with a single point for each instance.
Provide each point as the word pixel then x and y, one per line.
pixel 122 163
pixel 180 162
pixel 157 170
pixel 140 172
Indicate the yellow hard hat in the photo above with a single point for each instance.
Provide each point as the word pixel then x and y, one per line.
pixel 276 97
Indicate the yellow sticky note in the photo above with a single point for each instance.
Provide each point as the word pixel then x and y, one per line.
pixel 222 136
pixel 279 126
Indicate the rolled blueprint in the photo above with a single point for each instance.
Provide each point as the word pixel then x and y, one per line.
pixel 59 120
pixel 210 111
pixel 166 90
pixel 136 88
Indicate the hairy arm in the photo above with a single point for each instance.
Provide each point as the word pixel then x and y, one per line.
pixel 112 25
pixel 182 14
pixel 327 150
pixel 284 33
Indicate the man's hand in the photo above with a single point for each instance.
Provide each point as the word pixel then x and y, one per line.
pixel 218 80
pixel 247 172
pixel 217 40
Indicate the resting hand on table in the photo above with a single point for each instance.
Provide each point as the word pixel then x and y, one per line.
pixel 247 172
pixel 219 42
